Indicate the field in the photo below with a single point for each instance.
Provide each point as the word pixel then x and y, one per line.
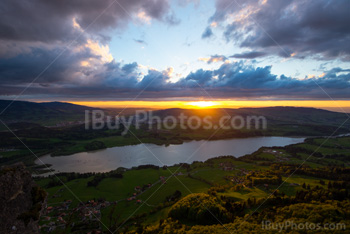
pixel 144 195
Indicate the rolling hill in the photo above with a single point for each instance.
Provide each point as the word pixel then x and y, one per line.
pixel 46 113
pixel 293 118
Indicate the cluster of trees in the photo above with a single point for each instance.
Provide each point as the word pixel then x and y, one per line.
pixel 147 166
pixel 214 160
pixel 200 208
pixel 263 177
pixel 218 189
pixel 331 173
pixel 338 185
pixel 306 206
pixel 320 194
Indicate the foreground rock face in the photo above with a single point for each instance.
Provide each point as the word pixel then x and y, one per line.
pixel 21 200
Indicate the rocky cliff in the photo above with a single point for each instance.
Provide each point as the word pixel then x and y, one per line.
pixel 21 200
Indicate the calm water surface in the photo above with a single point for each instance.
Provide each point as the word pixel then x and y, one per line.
pixel 135 155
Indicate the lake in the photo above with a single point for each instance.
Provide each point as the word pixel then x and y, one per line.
pixel 135 155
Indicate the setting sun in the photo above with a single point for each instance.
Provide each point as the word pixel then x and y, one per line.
pixel 202 104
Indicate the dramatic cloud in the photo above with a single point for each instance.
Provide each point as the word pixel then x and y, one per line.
pixel 38 23
pixel 115 81
pixel 240 79
pixel 288 28
pixel 61 45
pixel 35 36
pixel 53 20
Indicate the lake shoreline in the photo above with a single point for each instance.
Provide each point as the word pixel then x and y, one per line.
pixel 148 154
pixel 53 154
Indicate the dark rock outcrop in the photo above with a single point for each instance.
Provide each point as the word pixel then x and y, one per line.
pixel 21 200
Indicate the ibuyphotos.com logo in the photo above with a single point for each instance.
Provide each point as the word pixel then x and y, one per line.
pixel 97 119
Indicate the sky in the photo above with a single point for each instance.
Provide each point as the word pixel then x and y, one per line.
pixel 238 52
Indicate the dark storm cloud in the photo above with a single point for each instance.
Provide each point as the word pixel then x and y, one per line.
pixel 24 68
pixel 50 21
pixel 249 55
pixel 307 28
pixel 230 80
pixel 207 33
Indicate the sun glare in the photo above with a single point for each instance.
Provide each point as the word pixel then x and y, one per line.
pixel 328 105
pixel 202 104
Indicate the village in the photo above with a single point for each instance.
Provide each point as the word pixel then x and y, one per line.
pixel 61 215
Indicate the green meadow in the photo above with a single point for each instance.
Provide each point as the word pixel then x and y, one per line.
pixel 228 177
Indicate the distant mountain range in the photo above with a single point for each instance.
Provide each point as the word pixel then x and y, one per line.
pixel 282 115
pixel 50 113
